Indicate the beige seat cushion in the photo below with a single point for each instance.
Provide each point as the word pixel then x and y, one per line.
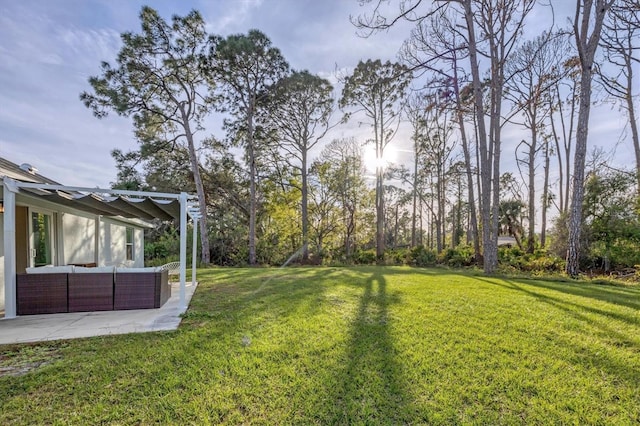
pixel 67 269
pixel 150 269
pixel 100 269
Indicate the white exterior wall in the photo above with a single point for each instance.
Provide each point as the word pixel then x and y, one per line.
pixel 1 261
pixel 138 247
pixel 79 239
pixel 112 246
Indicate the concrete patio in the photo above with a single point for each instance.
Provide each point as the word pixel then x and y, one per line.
pixel 38 328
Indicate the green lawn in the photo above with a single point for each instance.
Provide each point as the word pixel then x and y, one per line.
pixel 352 346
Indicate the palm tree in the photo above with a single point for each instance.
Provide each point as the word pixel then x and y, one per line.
pixel 510 217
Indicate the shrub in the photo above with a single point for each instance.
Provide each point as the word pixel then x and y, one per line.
pixel 364 257
pixel 398 256
pixel 539 261
pixel 457 257
pixel 155 250
pixel 420 256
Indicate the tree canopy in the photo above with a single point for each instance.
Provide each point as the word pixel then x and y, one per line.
pixel 285 178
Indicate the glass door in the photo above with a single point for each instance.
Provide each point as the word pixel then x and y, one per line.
pixel 41 240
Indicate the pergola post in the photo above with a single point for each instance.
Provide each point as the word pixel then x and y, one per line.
pixel 194 249
pixel 194 213
pixel 9 200
pixel 183 248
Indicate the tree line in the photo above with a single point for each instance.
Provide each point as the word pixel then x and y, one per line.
pixel 273 188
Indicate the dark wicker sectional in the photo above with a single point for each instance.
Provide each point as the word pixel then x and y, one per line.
pixel 135 290
pixel 88 292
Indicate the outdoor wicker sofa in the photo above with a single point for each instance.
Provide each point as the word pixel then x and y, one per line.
pixel 42 293
pixel 48 290
pixel 140 288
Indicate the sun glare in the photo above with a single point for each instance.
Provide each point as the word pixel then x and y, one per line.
pixel 372 163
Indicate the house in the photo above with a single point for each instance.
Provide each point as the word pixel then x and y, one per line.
pixel 45 223
pixel 506 241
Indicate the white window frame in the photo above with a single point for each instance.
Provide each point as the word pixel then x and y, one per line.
pixel 52 234
pixel 131 243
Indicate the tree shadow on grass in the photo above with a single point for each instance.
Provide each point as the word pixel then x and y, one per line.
pixel 363 384
pixel 585 353
pixel 399 270
pixel 245 286
pixel 240 298
pixel 629 297
pixel 566 304
pixel 370 388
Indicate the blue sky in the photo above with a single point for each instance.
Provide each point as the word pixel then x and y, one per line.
pixel 49 49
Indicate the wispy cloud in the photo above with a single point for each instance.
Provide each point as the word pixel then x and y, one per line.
pixel 228 17
pixel 89 43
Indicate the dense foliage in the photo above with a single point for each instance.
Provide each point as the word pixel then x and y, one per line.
pixel 611 224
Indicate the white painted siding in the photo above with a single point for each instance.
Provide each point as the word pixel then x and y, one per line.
pixel 113 245
pixel 79 239
pixel 138 247
pixel 2 261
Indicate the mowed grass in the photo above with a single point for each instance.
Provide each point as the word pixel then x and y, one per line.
pixel 354 346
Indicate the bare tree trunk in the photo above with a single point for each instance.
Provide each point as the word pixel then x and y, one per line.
pixel 421 235
pixel 491 245
pixel 380 188
pixel 350 213
pixel 379 215
pixel 442 208
pixel 500 24
pixel 467 163
pixel 567 137
pixel 516 237
pixel 575 213
pixel 438 233
pixel 478 181
pixel 202 203
pixel 415 190
pixel 545 196
pixel 490 258
pixel 587 45
pixel 305 213
pixel 346 241
pixel 395 229
pixel 496 87
pixel 252 186
pixel 567 172
pixel 556 139
pixel 350 235
pixel 531 242
pixel 431 221
pixel 439 216
pixel 634 124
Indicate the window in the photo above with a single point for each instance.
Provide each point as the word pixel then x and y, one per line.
pixel 129 244
pixel 42 239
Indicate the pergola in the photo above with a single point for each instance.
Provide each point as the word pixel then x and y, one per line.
pixel 101 202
